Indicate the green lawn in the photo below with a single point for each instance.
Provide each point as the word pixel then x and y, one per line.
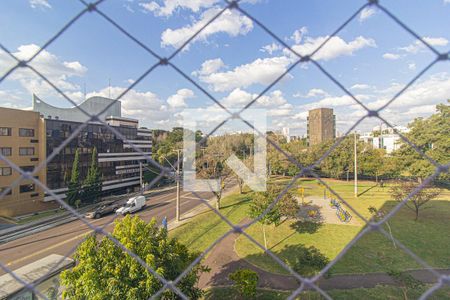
pixel 373 253
pixel 205 228
pixel 379 292
pixel 427 237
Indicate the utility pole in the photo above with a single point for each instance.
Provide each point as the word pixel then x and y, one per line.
pixel 356 167
pixel 140 177
pixel 178 186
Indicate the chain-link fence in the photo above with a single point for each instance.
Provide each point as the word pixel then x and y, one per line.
pixel 310 283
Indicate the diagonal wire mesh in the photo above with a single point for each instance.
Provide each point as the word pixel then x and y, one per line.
pixel 94 7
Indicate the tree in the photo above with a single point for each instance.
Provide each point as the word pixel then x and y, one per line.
pixel 92 185
pixel 105 271
pixel 287 206
pixel 212 166
pixel 73 192
pixel 245 282
pixel 403 189
pixel 431 137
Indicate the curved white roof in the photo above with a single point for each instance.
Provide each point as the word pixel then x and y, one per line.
pixel 93 105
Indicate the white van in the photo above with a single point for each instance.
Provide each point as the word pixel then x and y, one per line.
pixel 133 204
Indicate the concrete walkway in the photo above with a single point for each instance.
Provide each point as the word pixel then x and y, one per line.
pixel 223 260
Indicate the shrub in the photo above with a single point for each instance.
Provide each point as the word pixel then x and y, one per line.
pixel 245 282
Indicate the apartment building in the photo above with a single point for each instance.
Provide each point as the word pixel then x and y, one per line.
pixel 321 126
pixel 384 138
pixel 22 142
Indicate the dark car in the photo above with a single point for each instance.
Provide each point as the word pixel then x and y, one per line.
pixel 102 210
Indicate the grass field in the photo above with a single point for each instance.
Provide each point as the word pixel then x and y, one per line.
pixel 379 292
pixel 428 237
pixel 205 228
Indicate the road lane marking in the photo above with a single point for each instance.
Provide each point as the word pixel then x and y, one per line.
pixel 47 249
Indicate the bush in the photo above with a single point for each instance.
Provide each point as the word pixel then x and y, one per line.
pixel 308 260
pixel 245 282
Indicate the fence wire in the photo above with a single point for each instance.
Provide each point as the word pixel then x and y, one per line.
pixel 304 282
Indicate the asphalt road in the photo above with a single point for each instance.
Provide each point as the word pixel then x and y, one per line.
pixel 63 239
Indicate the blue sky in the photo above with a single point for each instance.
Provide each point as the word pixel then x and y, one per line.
pixel 233 59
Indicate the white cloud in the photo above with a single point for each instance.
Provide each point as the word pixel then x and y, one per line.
pixel 446 1
pixel 261 71
pixel 331 101
pixel 435 89
pixel 298 35
pixel 335 47
pixel 412 66
pixel 40 4
pixel 315 92
pixel 271 48
pixel 419 46
pixel 230 22
pixel 391 56
pixel 179 99
pixel 274 102
pixel 360 86
pixel 57 71
pixel 366 13
pixel 209 66
pixel 170 6
pixel 144 106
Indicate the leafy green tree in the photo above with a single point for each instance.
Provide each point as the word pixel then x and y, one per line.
pixel 403 189
pixel 92 185
pixel 431 136
pixel 73 192
pixel 105 271
pixel 287 206
pixel 245 282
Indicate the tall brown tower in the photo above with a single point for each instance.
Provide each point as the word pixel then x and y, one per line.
pixel 321 125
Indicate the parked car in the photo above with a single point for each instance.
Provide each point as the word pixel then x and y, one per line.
pixel 102 210
pixel 133 204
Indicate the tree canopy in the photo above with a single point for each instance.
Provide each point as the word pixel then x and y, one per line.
pixel 105 271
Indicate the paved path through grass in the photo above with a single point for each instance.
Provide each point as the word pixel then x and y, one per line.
pixel 223 260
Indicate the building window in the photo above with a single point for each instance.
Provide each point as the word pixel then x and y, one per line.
pixel 5 171
pixel 6 151
pixel 2 189
pixel 5 131
pixel 26 132
pixel 26 151
pixel 26 188
pixel 27 168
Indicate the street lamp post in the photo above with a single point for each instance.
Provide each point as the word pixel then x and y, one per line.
pixel 178 186
pixel 356 165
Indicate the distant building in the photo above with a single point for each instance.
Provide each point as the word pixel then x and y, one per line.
pixel 22 141
pixel 93 106
pixel 384 138
pixel 321 126
pixel 285 132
